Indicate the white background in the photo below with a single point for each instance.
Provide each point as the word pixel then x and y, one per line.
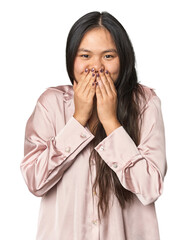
pixel 32 58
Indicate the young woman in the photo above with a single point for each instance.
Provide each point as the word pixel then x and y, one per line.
pixel 95 150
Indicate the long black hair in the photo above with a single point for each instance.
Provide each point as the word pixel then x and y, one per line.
pixel 129 95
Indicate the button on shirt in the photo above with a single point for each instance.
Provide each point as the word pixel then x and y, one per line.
pixel 56 168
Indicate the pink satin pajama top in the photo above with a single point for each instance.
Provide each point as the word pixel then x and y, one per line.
pixel 56 167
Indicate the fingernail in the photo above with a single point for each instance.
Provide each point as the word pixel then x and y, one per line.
pixel 101 70
pixel 96 83
pixel 100 83
pixel 93 74
pixel 93 84
pixel 93 69
pixel 86 70
pixel 97 75
pixel 106 72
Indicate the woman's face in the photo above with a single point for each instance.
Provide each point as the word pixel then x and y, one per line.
pixel 97 50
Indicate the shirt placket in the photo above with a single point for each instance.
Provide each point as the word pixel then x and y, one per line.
pixel 94 221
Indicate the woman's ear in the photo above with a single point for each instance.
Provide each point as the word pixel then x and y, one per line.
pixel 74 84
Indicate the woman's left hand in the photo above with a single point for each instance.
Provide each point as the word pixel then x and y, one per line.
pixel 106 95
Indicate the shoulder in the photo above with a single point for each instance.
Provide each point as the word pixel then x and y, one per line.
pixel 149 92
pixel 150 97
pixel 61 93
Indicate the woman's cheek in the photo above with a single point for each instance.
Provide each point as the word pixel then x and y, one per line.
pixel 79 66
pixel 113 66
pixel 114 70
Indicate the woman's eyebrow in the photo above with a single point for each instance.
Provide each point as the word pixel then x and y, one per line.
pixel 105 51
pixel 110 50
pixel 83 50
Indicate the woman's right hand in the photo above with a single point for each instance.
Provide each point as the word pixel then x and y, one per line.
pixel 84 92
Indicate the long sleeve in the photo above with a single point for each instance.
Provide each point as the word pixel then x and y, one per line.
pixel 140 169
pixel 48 154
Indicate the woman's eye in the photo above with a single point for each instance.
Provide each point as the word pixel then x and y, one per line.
pixel 85 56
pixel 108 56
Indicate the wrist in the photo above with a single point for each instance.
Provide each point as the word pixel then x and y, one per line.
pixel 111 121
pixel 83 122
pixel 111 125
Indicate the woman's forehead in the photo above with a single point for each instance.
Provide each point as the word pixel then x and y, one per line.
pixel 97 38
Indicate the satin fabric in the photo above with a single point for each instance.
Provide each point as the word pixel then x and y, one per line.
pixel 56 167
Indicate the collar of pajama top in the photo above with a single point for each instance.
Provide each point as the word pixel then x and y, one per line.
pixel 56 167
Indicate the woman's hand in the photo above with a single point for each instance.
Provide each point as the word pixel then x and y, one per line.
pixel 84 92
pixel 106 99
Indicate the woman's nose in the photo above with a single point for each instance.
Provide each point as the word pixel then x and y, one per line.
pixel 97 65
